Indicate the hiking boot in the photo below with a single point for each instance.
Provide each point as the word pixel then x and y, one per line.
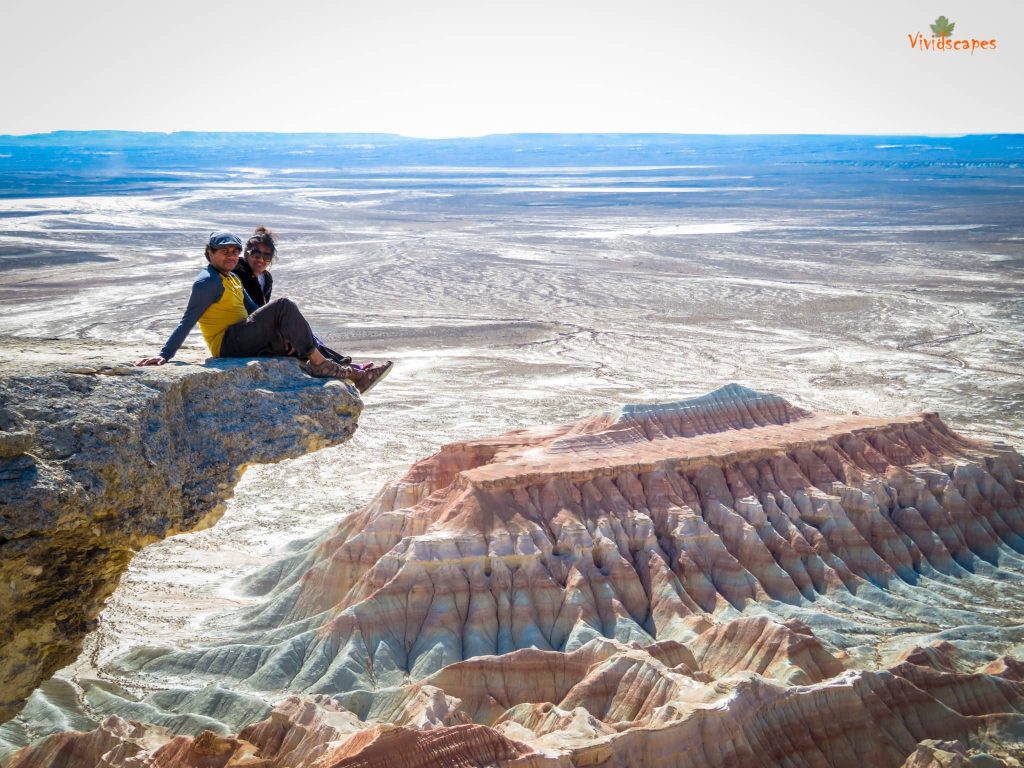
pixel 370 377
pixel 364 379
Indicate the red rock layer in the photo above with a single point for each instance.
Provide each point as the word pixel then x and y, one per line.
pixel 856 719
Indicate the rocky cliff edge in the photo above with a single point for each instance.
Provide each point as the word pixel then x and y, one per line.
pixel 98 460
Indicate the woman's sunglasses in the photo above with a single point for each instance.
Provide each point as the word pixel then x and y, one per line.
pixel 262 255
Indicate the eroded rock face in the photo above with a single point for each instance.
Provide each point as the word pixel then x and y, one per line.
pixel 300 733
pixel 626 708
pixel 641 532
pixel 98 462
pixel 726 581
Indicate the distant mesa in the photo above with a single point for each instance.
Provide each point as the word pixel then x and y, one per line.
pixel 709 582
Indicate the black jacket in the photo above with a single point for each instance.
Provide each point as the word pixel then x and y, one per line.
pixel 252 285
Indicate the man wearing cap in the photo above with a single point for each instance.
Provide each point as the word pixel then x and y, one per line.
pixel 233 325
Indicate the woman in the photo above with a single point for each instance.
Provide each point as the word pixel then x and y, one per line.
pixel 254 272
pixel 253 269
pixel 233 326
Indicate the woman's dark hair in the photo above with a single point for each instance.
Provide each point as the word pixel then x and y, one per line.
pixel 262 236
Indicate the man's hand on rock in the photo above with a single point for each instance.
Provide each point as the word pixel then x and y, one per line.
pixel 151 361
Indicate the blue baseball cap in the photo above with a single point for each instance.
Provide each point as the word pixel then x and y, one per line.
pixel 223 240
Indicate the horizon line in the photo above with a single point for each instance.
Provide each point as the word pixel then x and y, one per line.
pixel 409 137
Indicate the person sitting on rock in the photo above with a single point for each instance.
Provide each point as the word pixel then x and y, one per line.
pixel 253 269
pixel 233 326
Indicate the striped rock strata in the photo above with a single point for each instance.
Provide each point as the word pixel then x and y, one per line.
pixel 725 581
pixel 608 705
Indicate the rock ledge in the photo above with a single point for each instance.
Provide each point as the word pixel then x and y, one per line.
pixel 99 461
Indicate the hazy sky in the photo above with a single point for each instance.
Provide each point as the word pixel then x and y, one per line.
pixel 469 67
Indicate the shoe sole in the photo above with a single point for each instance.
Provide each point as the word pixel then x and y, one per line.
pixel 379 379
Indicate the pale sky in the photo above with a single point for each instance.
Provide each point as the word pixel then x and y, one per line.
pixel 471 67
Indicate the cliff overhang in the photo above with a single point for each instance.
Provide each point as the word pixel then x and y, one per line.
pixel 98 461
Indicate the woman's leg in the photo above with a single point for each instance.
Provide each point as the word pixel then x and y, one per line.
pixel 276 329
pixel 279 329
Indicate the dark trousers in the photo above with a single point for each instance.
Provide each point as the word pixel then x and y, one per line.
pixel 276 329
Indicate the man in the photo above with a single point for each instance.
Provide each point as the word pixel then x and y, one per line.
pixel 233 326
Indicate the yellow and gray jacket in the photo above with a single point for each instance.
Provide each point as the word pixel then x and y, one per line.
pixel 217 301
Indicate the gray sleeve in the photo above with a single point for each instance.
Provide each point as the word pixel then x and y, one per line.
pixel 206 290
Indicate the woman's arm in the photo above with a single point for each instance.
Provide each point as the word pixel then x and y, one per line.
pixel 206 290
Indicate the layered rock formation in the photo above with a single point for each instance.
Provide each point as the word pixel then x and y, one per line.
pixel 97 462
pixel 627 708
pixel 725 581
